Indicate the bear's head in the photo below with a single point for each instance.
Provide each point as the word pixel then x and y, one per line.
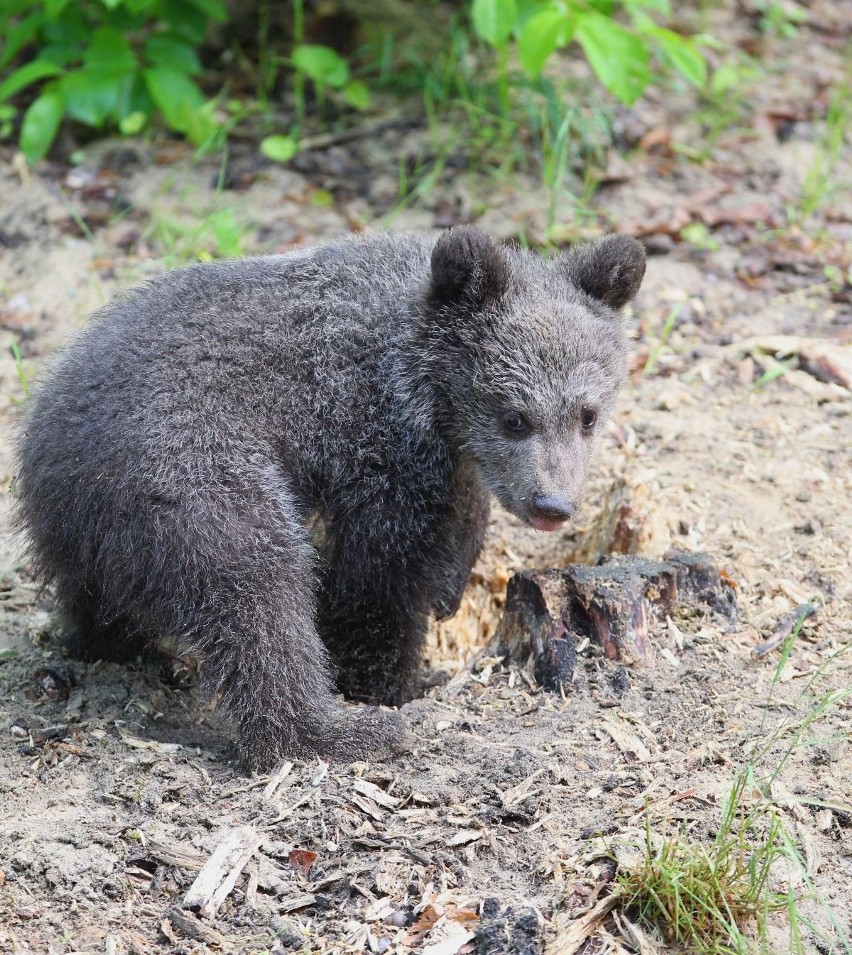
pixel 522 358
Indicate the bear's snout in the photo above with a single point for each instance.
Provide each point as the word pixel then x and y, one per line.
pixel 550 513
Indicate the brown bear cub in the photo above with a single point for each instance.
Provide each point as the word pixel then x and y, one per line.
pixel 284 464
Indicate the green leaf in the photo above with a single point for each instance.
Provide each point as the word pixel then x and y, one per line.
pixel 661 6
pixel 111 4
pixel 203 126
pixel 683 56
pixel 322 64
pixel 10 9
pixel 619 58
pixel 164 50
pixel 54 7
pixel 92 97
pixel 174 94
pixel 26 75
pixel 697 234
pixel 181 102
pixel 133 123
pixel 726 77
pixel 60 54
pixel 540 35
pixel 18 36
pixel 70 27
pixel 109 52
pixel 357 94
pixel 215 9
pixel 494 20
pixel 186 19
pixel 279 148
pixel 40 123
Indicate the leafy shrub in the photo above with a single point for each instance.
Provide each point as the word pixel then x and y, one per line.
pixel 619 55
pixel 120 63
pixel 106 62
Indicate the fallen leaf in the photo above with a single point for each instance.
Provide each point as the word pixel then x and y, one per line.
pixel 301 860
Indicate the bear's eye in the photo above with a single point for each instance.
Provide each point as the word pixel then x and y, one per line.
pixel 515 424
pixel 588 418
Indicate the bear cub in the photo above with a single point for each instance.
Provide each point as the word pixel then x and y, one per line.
pixel 283 464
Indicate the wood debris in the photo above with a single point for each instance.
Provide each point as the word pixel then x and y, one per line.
pixel 221 871
pixel 276 779
pixel 190 926
pixel 626 740
pixel 172 853
pixel 573 933
pixel 824 360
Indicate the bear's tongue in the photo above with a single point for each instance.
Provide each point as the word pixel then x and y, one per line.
pixel 542 524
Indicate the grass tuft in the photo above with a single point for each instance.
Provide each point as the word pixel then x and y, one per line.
pixel 707 899
pixel 717 899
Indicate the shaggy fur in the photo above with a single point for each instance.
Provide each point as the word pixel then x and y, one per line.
pixel 284 463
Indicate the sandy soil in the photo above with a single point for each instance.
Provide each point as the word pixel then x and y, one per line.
pixel 116 783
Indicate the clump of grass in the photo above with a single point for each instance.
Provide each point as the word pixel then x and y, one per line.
pixel 659 342
pixel 717 899
pixel 706 899
pixel 217 235
pixel 19 368
pixel 820 184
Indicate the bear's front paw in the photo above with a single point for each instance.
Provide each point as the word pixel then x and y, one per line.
pixel 369 733
pixel 350 733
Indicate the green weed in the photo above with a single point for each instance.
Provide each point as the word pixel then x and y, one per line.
pixel 781 18
pixel 819 186
pixel 727 104
pixel 219 234
pixel 23 380
pixel 703 898
pixel 716 900
pixel 502 121
pixel 112 64
pixel 775 371
pixel 659 342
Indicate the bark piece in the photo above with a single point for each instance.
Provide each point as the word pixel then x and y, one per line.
pixel 613 604
pixel 221 871
pixel 185 857
pixel 190 926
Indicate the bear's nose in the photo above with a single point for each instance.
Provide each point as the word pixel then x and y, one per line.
pixel 553 508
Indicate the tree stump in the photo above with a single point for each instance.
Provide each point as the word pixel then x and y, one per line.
pixel 613 603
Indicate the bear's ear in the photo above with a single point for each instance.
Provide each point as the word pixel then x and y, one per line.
pixel 610 269
pixel 467 269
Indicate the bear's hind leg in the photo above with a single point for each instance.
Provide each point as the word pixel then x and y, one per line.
pixel 239 590
pixel 86 635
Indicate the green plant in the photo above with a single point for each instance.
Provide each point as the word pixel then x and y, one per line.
pixel 699 237
pixel 23 380
pixel 656 346
pixel 781 18
pixel 324 67
pixel 727 101
pixel 703 898
pixel 218 234
pixel 619 54
pixel 106 63
pixel 543 127
pixel 716 900
pixel 818 185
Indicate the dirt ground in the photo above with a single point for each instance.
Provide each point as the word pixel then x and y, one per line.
pixel 117 783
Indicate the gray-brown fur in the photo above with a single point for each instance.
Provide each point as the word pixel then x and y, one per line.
pixel 179 450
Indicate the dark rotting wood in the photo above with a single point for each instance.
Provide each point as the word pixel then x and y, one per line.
pixel 613 603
